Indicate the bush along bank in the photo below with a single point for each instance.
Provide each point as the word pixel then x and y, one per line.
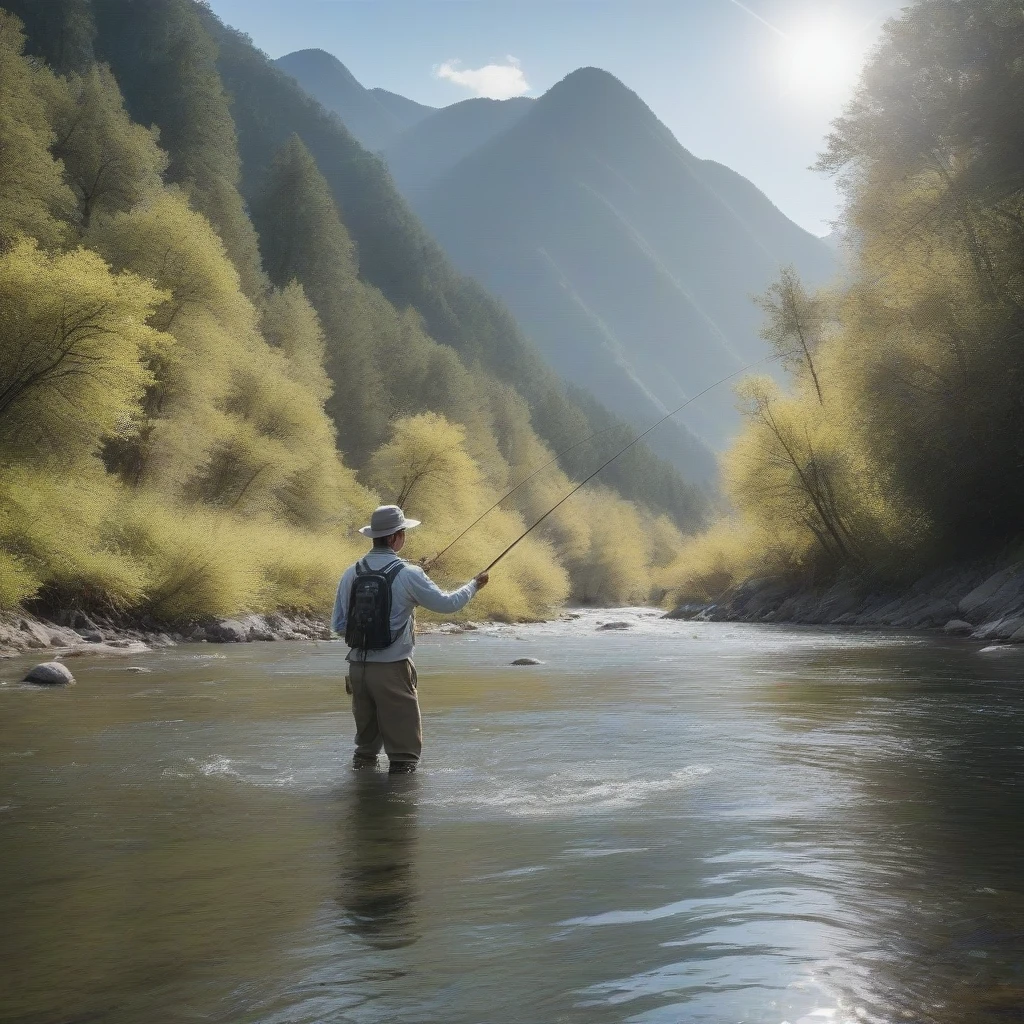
pixel 981 600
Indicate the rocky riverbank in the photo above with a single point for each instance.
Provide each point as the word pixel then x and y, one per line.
pixel 984 601
pixel 77 633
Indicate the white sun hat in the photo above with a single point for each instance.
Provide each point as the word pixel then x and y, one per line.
pixel 386 520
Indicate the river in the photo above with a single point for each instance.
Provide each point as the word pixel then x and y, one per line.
pixel 670 823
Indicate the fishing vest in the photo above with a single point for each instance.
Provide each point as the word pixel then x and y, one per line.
pixel 368 625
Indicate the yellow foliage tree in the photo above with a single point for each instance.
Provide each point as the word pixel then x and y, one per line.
pixel 34 199
pixel 110 162
pixel 73 340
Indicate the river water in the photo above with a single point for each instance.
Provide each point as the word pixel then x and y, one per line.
pixel 671 823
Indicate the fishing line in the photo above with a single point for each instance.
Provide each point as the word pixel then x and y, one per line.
pixel 530 530
pixel 512 490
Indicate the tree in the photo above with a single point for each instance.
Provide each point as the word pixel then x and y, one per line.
pixel 61 32
pixel 110 162
pixel 165 62
pixel 288 322
pixel 794 325
pixel 73 340
pixel 33 196
pixel 302 239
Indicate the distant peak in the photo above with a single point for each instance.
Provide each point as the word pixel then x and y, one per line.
pixel 315 61
pixel 590 88
pixel 591 76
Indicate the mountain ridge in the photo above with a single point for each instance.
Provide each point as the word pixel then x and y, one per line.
pixel 373 116
pixel 629 260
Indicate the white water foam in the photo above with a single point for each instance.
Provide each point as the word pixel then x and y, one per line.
pixel 576 792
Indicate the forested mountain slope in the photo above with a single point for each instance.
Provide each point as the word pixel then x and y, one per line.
pixel 374 116
pixel 627 259
pixel 199 406
pixel 396 255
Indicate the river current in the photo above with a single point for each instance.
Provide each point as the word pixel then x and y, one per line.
pixel 675 822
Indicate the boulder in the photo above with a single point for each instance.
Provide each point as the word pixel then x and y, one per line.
pixel 615 625
pixel 227 631
pixel 995 597
pixel 527 661
pixel 925 612
pixel 956 626
pixel 138 668
pixel 258 628
pixel 50 673
pixel 999 629
pixel 690 610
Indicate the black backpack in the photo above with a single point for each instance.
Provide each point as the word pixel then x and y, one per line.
pixel 368 626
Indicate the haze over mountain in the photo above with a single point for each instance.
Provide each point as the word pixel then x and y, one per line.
pixel 629 261
pixel 423 152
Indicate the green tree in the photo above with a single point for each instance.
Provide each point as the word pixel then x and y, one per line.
pixel 61 32
pixel 165 62
pixel 110 162
pixel 33 196
pixel 794 324
pixel 73 340
pixel 303 240
pixel 288 322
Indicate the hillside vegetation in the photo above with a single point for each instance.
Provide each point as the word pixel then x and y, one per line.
pixel 197 406
pixel 897 446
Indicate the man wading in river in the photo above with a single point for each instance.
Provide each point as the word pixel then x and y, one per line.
pixel 375 611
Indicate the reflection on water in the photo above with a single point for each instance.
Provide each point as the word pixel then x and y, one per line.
pixel 675 822
pixel 378 857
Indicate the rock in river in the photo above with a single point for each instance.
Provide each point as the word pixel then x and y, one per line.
pixel 527 661
pixel 615 625
pixel 50 673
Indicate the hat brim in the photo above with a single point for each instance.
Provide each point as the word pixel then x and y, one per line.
pixel 405 524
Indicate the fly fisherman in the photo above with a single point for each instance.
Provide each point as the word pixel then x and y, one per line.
pixel 375 611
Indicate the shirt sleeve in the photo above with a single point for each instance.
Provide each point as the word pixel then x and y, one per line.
pixel 339 617
pixel 428 594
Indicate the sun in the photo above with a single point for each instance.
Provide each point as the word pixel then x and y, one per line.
pixel 821 59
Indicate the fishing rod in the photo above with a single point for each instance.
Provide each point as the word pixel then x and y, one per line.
pixel 530 530
pixel 512 490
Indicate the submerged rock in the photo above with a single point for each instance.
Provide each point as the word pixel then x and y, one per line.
pixel 527 661
pixel 50 673
pixel 615 625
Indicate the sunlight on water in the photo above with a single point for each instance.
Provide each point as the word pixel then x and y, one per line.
pixel 665 822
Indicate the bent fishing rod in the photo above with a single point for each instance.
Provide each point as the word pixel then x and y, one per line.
pixel 622 451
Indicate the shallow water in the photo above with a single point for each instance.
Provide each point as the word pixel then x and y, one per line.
pixel 675 822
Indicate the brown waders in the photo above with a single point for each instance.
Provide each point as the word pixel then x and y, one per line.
pixel 387 713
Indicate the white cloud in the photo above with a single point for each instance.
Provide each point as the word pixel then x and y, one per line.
pixel 495 81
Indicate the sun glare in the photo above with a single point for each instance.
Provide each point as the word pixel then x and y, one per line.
pixel 822 58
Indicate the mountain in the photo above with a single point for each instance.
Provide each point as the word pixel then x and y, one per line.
pixel 373 116
pixel 399 257
pixel 409 112
pixel 435 144
pixel 627 259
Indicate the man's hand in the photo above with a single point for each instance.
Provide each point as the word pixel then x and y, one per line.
pixel 425 562
pixel 481 580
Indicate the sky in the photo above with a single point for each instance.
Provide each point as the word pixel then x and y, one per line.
pixel 753 84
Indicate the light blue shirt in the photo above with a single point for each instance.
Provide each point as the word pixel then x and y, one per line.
pixel 412 588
